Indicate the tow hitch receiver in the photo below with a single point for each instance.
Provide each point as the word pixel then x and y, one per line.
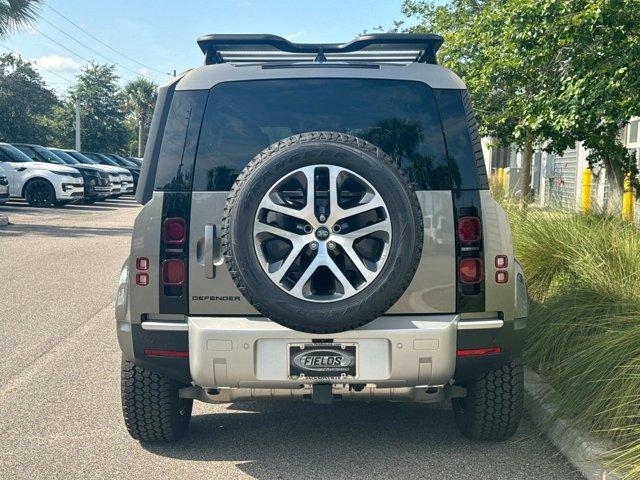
pixel 322 393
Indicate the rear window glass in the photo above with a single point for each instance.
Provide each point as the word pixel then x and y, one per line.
pixel 455 124
pixel 242 118
pixel 179 142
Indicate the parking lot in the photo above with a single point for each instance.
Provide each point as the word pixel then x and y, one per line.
pixel 60 411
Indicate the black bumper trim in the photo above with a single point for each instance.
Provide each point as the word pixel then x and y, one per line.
pixel 510 338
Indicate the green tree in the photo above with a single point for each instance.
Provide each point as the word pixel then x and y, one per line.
pixel 559 71
pixel 102 112
pixel 25 102
pixel 141 95
pixel 481 46
pixel 598 44
pixel 16 13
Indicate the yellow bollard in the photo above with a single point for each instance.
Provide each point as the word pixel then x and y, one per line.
pixel 585 201
pixel 628 199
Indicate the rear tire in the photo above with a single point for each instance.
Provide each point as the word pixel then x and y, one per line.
pixel 152 408
pixel 493 406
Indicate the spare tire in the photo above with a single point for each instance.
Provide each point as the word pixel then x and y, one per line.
pixel 322 232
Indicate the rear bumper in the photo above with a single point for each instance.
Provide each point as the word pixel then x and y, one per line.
pixel 252 352
pixel 393 351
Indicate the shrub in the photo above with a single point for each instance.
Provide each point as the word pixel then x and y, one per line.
pixel 583 274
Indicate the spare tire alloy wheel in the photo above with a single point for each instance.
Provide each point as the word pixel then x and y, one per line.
pixel 322 232
pixel 322 238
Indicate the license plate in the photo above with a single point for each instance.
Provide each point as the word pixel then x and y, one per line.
pixel 323 360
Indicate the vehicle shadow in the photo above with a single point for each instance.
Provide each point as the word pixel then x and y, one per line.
pixel 12 230
pixel 365 440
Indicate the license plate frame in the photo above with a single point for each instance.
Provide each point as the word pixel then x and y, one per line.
pixel 308 361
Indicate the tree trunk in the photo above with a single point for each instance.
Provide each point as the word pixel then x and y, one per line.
pixel 527 160
pixel 616 176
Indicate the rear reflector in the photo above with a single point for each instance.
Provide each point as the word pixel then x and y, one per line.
pixel 173 272
pixel 502 261
pixel 142 279
pixel 165 353
pixel 502 276
pixel 174 231
pixel 477 352
pixel 469 229
pixel 142 263
pixel 470 270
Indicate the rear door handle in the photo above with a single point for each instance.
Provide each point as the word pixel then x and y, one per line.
pixel 209 234
pixel 212 251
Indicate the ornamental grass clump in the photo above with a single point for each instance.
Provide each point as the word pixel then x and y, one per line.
pixel 583 273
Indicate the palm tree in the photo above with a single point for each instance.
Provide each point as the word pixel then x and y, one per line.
pixel 141 97
pixel 16 13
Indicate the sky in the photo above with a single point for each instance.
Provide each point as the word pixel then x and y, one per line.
pixel 153 38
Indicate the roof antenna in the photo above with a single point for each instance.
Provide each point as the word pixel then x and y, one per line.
pixel 320 56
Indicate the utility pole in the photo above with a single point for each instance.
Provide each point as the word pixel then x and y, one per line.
pixel 78 143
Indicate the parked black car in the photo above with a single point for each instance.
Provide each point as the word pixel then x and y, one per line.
pixel 96 185
pixel 101 188
pixel 133 167
pixel 116 179
pixel 130 179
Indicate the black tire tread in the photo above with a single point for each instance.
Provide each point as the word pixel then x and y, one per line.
pixel 493 407
pixel 264 156
pixel 38 179
pixel 150 405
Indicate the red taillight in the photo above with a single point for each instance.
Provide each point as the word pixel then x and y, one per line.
pixel 173 272
pixel 476 352
pixel 142 279
pixel 470 270
pixel 142 263
pixel 149 352
pixel 469 229
pixel 174 231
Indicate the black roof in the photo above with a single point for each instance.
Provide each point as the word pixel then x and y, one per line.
pixel 375 48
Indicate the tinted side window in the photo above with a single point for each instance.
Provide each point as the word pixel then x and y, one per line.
pixel 242 118
pixel 177 153
pixel 29 152
pixel 13 154
pixel 463 142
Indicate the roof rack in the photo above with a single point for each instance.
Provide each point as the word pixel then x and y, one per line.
pixel 375 48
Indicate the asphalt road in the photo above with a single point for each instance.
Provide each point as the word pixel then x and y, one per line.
pixel 60 411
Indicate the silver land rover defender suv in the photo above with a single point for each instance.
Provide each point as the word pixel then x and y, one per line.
pixel 317 225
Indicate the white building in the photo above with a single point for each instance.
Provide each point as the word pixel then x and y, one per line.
pixel 556 180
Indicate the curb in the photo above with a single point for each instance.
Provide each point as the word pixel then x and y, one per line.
pixel 4 220
pixel 579 447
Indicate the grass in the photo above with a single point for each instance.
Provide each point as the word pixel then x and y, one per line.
pixel 583 273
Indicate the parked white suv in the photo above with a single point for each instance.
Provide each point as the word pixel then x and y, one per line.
pixel 41 184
